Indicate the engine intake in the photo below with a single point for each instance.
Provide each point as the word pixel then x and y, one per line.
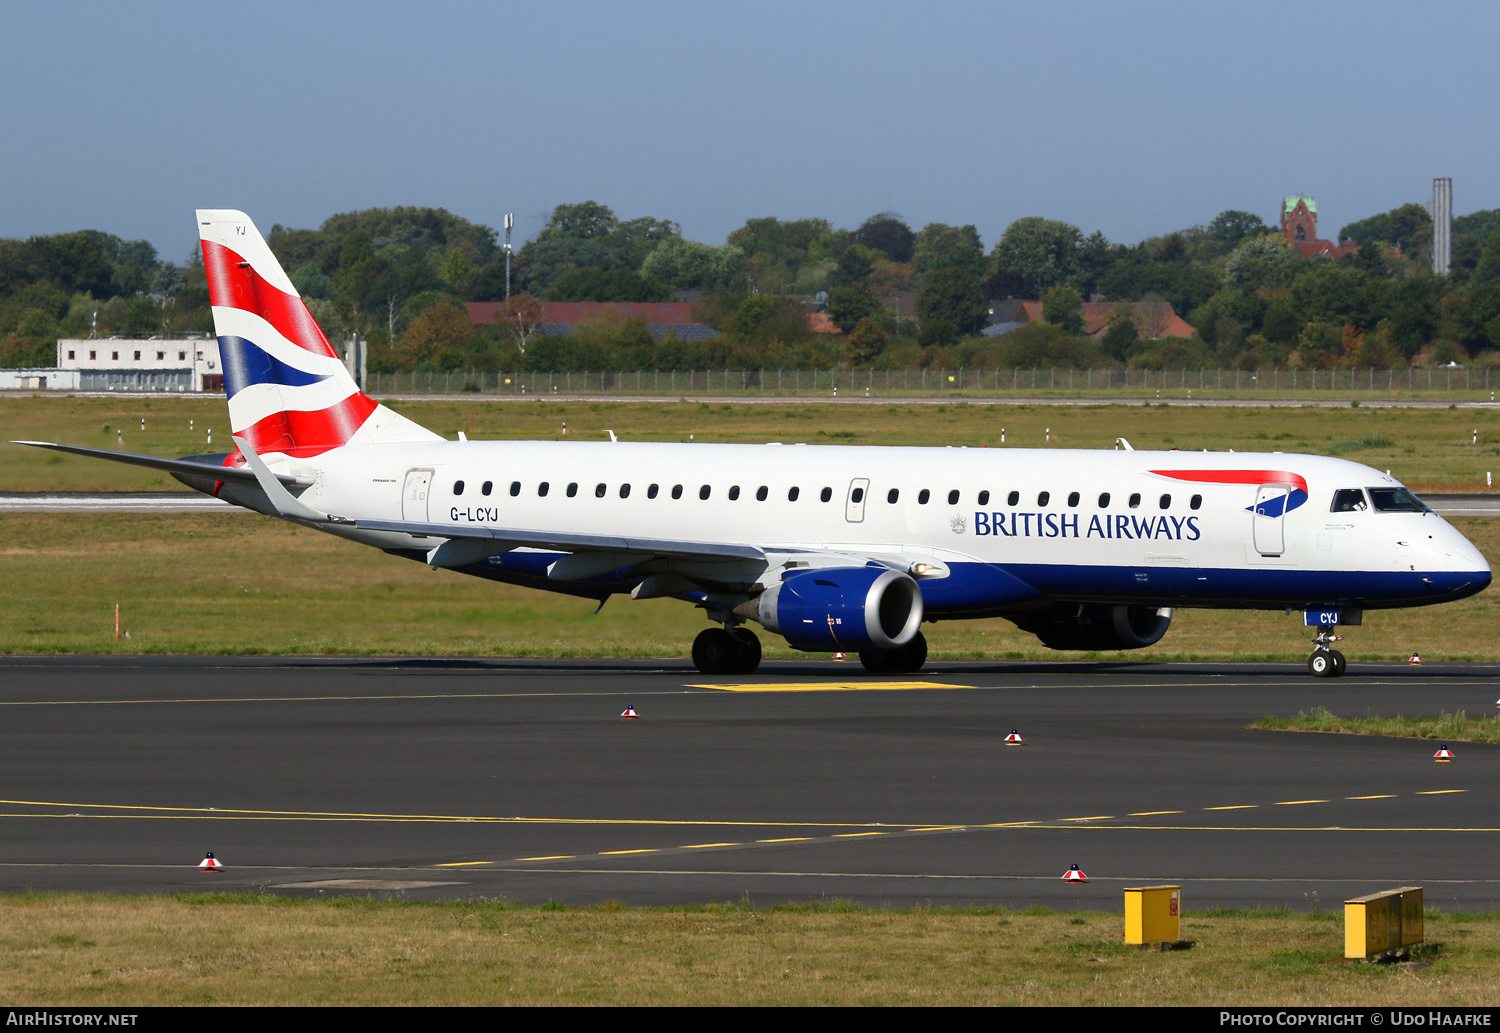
pixel 1098 627
pixel 840 609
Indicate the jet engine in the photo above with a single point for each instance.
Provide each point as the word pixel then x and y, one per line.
pixel 1097 627
pixel 840 609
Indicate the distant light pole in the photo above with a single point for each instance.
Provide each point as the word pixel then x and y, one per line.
pixel 510 221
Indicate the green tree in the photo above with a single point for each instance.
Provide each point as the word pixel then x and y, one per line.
pixel 1044 251
pixel 1410 226
pixel 1231 227
pixel 1062 306
pixel 439 327
pixel 888 235
pixel 940 246
pixel 865 342
pixel 848 305
pixel 601 283
pixel 1119 341
pixel 855 266
pixel 687 265
pixel 1262 262
pixel 952 295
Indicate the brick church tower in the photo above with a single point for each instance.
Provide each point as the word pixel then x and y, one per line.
pixel 1299 224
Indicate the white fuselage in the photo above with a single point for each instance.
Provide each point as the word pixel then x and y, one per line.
pixel 1085 525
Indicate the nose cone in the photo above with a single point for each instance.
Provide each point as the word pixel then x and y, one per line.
pixel 1468 571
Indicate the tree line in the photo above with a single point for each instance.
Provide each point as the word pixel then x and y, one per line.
pixel 399 277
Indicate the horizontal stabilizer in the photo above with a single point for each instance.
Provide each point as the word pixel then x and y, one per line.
pixel 220 473
pixel 568 541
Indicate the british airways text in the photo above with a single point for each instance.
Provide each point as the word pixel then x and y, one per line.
pixel 1066 525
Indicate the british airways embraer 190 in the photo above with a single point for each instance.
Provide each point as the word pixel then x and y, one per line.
pixel 833 548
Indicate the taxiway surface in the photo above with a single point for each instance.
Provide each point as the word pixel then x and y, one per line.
pixel 518 779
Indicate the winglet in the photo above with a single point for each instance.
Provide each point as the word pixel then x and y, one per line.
pixel 285 503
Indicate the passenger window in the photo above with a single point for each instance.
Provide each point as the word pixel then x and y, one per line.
pixel 1104 500
pixel 704 492
pixel 923 496
pixel 677 491
pixel 1013 499
pixel 1073 500
pixel 515 487
pixel 1195 502
pixel 599 491
pixel 651 491
pixel 1043 498
pixel 761 493
pixel 624 491
pixel 792 493
pixel 826 494
pixel 1165 502
pixel 857 496
pixel 734 493
pixel 542 489
pixel 892 495
pixel 984 498
pixel 953 497
pixel 486 487
pixel 458 487
pixel 572 489
pixel 1348 500
pixel 1135 500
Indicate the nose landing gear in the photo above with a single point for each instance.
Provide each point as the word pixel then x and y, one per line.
pixel 1326 662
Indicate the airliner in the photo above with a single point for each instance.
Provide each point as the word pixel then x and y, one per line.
pixel 835 548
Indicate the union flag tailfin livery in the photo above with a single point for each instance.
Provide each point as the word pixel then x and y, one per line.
pixel 836 549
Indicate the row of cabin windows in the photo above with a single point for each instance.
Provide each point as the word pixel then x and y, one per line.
pixel 857 496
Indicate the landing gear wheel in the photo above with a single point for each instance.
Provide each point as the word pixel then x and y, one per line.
pixel 715 651
pixel 1321 664
pixel 905 659
pixel 1340 665
pixel 749 651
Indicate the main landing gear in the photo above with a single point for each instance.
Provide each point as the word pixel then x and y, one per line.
pixel 906 659
pixel 726 651
pixel 1326 662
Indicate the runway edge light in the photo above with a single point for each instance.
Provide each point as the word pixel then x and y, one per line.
pixel 1014 739
pixel 1415 660
pixel 210 863
pixel 1074 874
pixel 630 714
pixel 1443 755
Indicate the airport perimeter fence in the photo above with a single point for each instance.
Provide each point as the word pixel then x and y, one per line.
pixel 897 382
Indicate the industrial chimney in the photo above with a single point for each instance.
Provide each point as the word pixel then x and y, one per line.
pixel 1442 225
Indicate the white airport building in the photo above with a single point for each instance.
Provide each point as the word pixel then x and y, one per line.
pixel 129 364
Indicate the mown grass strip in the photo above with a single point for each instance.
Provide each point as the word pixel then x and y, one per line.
pixel 1457 727
pixel 259 949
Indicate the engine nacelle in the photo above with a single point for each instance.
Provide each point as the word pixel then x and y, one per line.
pixel 841 609
pixel 1098 627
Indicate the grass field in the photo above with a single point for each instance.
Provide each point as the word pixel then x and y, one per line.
pixel 228 582
pixel 129 951
pixel 1428 449
pixel 1458 727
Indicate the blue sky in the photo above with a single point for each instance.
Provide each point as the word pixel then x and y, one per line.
pixel 1131 118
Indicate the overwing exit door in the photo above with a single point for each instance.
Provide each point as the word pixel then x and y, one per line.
pixel 854 505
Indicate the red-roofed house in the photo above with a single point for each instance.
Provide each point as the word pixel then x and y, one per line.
pixel 1152 318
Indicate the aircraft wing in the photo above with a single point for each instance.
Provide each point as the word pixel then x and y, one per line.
pixel 502 539
pixel 219 473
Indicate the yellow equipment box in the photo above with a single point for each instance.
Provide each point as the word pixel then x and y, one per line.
pixel 1153 914
pixel 1382 922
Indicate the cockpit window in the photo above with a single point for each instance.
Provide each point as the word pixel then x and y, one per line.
pixel 1397 500
pixel 1348 500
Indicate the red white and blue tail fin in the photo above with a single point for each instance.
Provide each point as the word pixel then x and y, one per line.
pixel 289 392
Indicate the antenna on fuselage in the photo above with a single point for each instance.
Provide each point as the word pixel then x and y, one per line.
pixel 611 435
pixel 1124 444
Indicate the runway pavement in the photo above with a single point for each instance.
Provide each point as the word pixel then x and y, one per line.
pixel 519 780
